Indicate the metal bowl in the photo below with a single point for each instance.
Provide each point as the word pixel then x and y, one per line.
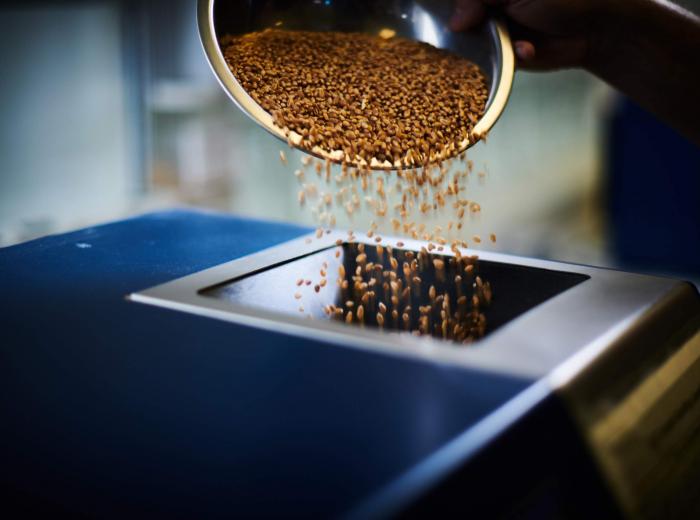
pixel 489 47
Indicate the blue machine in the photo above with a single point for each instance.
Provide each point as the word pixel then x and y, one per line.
pixel 113 408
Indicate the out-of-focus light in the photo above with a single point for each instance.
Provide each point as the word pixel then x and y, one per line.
pixel 387 33
pixel 427 30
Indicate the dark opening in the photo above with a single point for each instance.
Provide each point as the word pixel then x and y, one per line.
pixel 503 291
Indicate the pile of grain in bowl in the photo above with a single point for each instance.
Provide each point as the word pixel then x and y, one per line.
pixel 361 99
pixel 373 104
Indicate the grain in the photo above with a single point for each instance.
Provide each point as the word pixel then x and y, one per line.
pixel 359 98
pixel 454 304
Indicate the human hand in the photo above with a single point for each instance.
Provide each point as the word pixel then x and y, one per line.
pixel 547 34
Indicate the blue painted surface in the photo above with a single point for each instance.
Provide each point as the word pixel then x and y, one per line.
pixel 653 194
pixel 110 407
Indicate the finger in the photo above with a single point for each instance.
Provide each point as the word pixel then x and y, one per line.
pixel 467 14
pixel 525 51
pixel 550 53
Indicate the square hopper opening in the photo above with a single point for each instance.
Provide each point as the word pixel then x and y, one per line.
pixel 415 292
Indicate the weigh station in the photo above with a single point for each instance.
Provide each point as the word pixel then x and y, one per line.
pixel 190 363
pixel 185 378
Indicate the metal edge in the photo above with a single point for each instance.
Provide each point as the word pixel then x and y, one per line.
pixel 571 377
pixel 217 63
pixel 505 82
pixel 385 343
pixel 401 345
pixel 661 361
pixel 541 347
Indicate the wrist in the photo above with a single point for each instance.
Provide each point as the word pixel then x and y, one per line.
pixel 604 24
pixel 614 24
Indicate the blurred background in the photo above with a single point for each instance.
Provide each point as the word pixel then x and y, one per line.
pixel 110 110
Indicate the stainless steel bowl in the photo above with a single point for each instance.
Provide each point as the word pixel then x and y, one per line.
pixel 489 47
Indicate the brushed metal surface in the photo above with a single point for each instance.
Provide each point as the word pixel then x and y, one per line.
pixel 570 327
pixel 489 47
pixel 636 400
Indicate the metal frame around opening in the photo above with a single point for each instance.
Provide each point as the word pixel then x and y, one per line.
pixel 595 312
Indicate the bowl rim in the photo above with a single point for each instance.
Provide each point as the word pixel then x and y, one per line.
pixel 235 91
